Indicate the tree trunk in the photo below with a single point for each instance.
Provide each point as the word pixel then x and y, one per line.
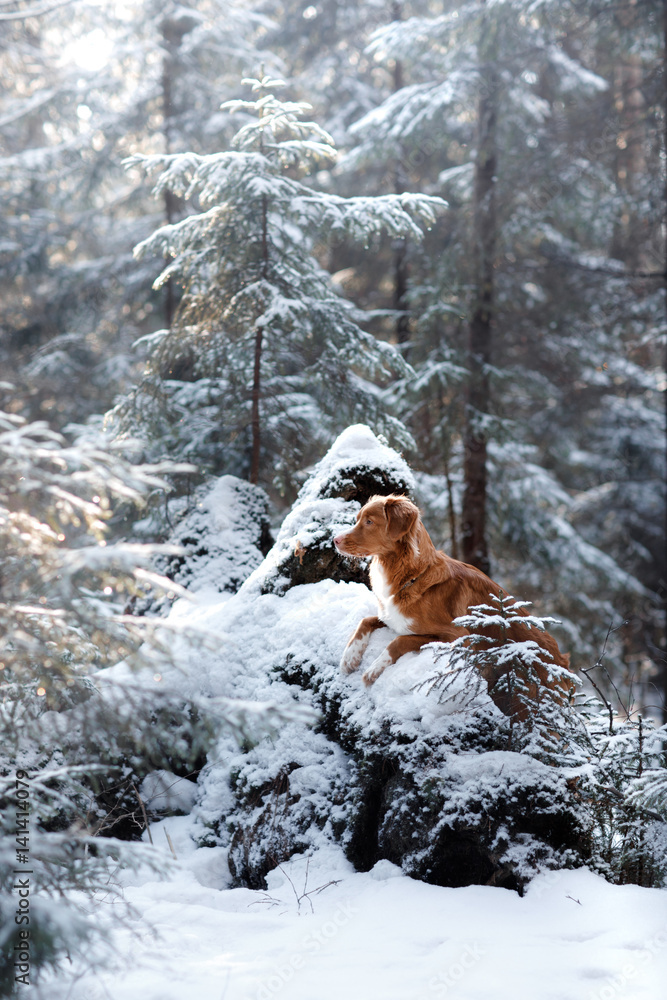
pixel 451 515
pixel 473 520
pixel 401 244
pixel 172 36
pixel 255 421
pixel 255 415
pixel 632 225
pixel 400 290
pixel 169 196
pixel 663 591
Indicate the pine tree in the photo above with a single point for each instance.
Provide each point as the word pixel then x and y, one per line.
pixel 521 676
pixel 265 359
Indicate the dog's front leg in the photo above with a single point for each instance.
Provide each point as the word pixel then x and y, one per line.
pixel 356 646
pixel 396 648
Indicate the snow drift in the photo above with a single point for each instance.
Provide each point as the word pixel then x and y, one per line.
pixel 387 773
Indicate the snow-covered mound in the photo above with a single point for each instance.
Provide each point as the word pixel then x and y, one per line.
pixel 224 534
pixel 357 466
pixel 389 772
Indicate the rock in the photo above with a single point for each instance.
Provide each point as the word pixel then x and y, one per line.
pixel 389 772
pixel 447 815
pixel 357 466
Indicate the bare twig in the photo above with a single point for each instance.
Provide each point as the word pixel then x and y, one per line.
pixel 37 11
pixel 599 664
pixel 171 846
pixel 307 893
pixel 143 810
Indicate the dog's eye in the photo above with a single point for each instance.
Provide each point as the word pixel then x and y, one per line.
pixel 368 520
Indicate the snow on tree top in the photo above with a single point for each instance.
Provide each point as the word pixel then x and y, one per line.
pixel 357 465
pixel 357 450
pixel 223 536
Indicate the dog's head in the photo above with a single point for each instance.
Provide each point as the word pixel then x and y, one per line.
pixel 383 525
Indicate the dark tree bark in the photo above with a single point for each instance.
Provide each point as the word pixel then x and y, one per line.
pixel 401 272
pixel 400 290
pixel 480 332
pixel 451 515
pixel 169 196
pixel 255 414
pixel 255 418
pixel 663 590
pixel 630 105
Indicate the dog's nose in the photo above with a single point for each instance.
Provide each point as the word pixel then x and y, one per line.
pixel 338 540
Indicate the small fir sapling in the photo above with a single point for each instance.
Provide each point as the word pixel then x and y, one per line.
pixel 623 781
pixel 513 670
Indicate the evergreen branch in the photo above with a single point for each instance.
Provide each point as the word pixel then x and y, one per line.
pixel 621 273
pixel 34 11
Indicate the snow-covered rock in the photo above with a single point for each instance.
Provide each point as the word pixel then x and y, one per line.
pixel 389 773
pixel 224 534
pixel 163 791
pixel 357 466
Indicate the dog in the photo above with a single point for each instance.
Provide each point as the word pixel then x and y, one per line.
pixel 421 590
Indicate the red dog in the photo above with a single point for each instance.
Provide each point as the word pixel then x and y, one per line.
pixel 420 591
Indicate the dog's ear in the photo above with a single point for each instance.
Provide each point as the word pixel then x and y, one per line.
pixel 401 516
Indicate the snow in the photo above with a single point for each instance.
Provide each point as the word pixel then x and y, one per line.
pixel 163 791
pixel 374 934
pixel 313 622
pixel 216 537
pixel 320 929
pixel 574 76
pixel 357 447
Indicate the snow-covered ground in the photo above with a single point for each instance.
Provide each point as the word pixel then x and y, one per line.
pixel 321 930
pixel 377 935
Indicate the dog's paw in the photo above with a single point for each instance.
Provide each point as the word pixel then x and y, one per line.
pixel 377 667
pixel 351 658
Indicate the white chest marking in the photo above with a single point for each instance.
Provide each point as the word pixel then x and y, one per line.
pixel 388 611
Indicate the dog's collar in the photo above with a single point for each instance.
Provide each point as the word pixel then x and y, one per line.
pixel 410 582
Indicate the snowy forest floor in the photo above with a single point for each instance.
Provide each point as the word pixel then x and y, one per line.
pixel 377 934
pixel 322 930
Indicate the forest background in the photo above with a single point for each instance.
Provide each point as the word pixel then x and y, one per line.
pixel 445 220
pixel 510 341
